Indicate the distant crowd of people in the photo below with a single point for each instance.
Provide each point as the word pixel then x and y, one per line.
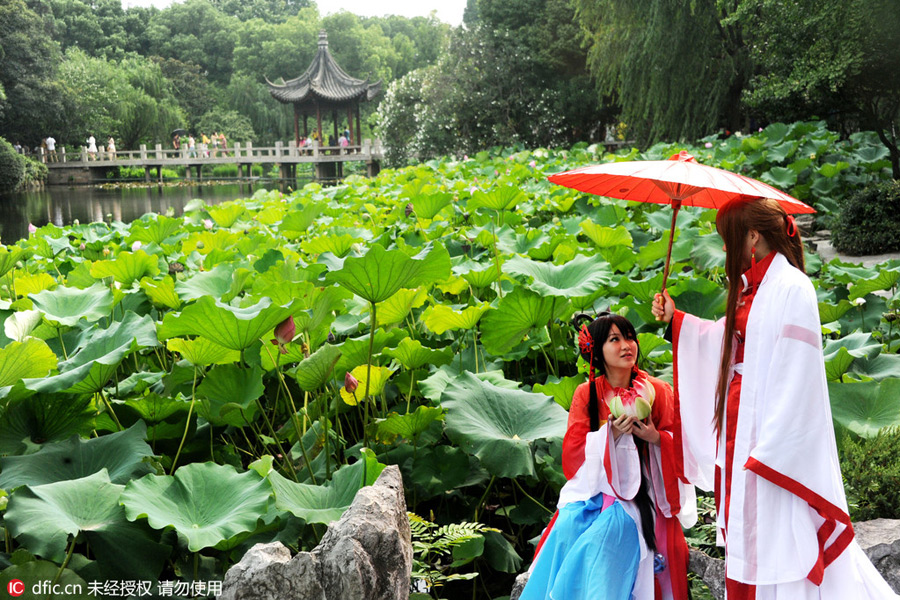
pixel 46 151
pixel 343 140
pixel 204 146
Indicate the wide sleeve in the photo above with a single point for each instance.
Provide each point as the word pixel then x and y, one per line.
pixel 794 424
pixel 697 350
pixel 576 431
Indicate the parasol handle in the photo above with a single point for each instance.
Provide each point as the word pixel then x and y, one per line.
pixel 676 206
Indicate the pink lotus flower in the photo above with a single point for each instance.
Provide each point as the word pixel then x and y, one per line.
pixel 207 223
pixel 708 144
pixel 135 246
pixel 532 164
pixel 31 228
pixel 350 382
pixel 636 401
pixel 284 333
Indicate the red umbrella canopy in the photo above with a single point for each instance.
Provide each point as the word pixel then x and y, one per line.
pixel 681 178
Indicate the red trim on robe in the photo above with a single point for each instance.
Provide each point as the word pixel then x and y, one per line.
pixel 828 511
pixel 676 404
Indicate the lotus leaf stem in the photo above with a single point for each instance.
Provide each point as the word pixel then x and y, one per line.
pixel 187 423
pixel 64 564
pixel 484 496
pixel 529 496
pixel 286 456
pixel 110 409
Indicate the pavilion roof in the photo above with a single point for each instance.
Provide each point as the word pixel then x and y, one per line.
pixel 324 80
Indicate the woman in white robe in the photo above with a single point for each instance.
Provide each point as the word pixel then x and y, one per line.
pixel 755 420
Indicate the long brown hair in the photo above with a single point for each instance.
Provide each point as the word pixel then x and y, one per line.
pixel 733 223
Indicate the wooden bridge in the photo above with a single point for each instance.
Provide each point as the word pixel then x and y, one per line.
pixel 328 161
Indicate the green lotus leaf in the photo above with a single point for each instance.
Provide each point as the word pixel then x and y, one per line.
pixel 837 364
pixel 561 390
pixel 412 354
pixel 641 289
pixel 581 276
pixel 122 454
pixel 370 380
pixel 866 408
pixel 872 154
pixel 43 517
pixel 503 197
pixel 831 169
pixel 410 425
pixel 235 328
pixel 227 214
pixel 395 309
pixel 339 245
pixel 19 325
pixel 233 387
pixel 847 273
pixel 22 360
pixel 517 314
pixel 378 274
pixel 327 502
pixel 499 426
pixel 433 387
pixel 523 243
pixel 301 220
pixel 100 351
pixel 780 177
pixel 439 469
pixel 206 503
pixel 355 351
pixel 44 570
pixel 427 206
pixel 126 267
pixel 35 283
pixel 10 255
pixel 154 230
pixel 67 306
pixel 28 423
pixel 885 280
pixel 477 274
pixel 858 344
pixel 440 317
pixel 165 416
pixel 202 352
pixel 315 371
pixel 606 237
pixel 205 242
pixel 547 247
pixel 500 553
pixel 161 292
pixel 878 367
pixel 782 152
pixel 216 283
pixel 830 312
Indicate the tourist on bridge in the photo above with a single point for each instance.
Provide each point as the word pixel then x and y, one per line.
pixel 111 148
pixel 192 147
pixel 92 147
pixel 51 148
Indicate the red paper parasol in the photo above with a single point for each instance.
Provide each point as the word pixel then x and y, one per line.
pixel 679 181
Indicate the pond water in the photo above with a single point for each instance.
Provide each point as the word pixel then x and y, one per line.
pixel 62 205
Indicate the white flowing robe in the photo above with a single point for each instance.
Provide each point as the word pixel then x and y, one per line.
pixel 789 531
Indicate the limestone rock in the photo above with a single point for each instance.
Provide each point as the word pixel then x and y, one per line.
pixel 880 540
pixel 519 585
pixel 366 555
pixel 711 571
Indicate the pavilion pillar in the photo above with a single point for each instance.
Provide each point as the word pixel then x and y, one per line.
pixel 358 129
pixel 297 126
pixel 305 127
pixel 350 124
pixel 319 121
pixel 334 124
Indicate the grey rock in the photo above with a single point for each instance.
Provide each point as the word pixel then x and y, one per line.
pixel 880 540
pixel 710 570
pixel 366 555
pixel 519 585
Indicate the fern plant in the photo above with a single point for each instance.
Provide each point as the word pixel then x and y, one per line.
pixel 440 549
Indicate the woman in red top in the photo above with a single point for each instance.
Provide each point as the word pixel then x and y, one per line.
pixel 617 528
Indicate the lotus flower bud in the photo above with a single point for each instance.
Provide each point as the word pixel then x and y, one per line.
pixel 532 164
pixel 81 247
pixel 207 223
pixel 136 246
pixel 350 382
pixel 200 245
pixel 76 222
pixel 106 252
pixel 284 333
pixel 31 228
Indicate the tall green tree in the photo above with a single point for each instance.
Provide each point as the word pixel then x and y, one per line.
pixel 839 59
pixel 33 104
pixel 677 69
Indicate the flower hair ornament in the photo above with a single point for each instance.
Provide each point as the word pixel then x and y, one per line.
pixel 586 346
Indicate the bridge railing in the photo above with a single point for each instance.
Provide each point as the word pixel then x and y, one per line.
pixel 244 152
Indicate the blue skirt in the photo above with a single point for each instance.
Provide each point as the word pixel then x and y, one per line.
pixel 590 553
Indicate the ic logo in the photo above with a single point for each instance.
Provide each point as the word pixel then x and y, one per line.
pixel 15 587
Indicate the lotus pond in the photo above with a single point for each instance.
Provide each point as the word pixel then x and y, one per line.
pixel 175 390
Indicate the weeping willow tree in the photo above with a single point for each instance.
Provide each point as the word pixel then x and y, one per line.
pixel 677 69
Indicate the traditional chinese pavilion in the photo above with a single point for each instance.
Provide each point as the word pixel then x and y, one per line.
pixel 323 87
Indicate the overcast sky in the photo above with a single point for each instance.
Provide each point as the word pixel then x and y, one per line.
pixel 449 11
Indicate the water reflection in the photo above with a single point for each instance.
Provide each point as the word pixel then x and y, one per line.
pixel 63 205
